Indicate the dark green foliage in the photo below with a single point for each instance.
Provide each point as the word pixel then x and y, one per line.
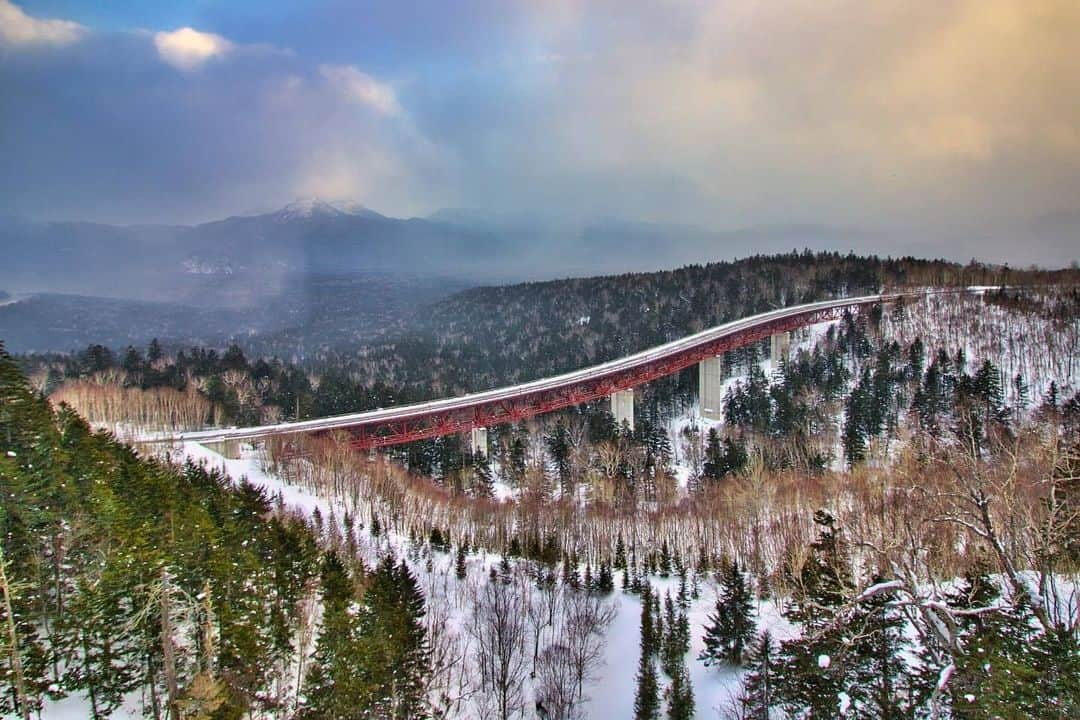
pixel 723 457
pixel 605 580
pixel 647 694
pixel 758 699
pixel 1004 672
pixel 825 578
pixel 665 560
pixel 438 540
pixel 484 487
pixel 1006 668
pixel 558 444
pixel 680 695
pixel 372 653
pixel 731 624
pixel 108 526
pixel 459 562
pixel 875 676
pixel 808 677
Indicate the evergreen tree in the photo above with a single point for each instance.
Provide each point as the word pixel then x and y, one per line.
pixel 154 351
pixel 647 694
pixel 1021 397
pixel 680 695
pixel 873 669
pixel 758 685
pixel 714 456
pixel 858 420
pixel 485 484
pixel 807 678
pixel 665 560
pixel 133 362
pixel 338 683
pixel 731 623
pixel 459 562
pixel 558 444
pixel 605 581
pixel 1050 401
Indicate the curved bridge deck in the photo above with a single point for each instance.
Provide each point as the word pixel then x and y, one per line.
pixel 408 423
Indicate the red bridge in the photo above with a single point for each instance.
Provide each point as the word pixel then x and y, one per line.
pixel 407 423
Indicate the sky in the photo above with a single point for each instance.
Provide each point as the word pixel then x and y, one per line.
pixel 951 121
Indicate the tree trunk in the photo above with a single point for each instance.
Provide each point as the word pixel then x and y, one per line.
pixel 168 654
pixel 92 686
pixel 13 640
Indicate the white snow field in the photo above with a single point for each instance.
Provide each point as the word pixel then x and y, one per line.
pixel 984 331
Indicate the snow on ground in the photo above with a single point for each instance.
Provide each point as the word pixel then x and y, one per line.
pixel 802 339
pixel 79 708
pixel 611 694
pixel 250 466
pixel 1038 348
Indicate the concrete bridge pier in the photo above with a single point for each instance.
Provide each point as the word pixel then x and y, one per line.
pixel 228 449
pixel 622 407
pixel 780 347
pixel 711 388
pixel 478 441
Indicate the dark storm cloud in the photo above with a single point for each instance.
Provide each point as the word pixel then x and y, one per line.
pixel 949 128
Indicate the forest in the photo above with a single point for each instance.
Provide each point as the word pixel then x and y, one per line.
pixel 483 338
pixel 884 524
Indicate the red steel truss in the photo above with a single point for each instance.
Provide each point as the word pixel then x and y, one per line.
pixel 488 413
pixel 408 423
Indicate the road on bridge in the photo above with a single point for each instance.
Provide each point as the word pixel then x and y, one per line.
pixel 408 423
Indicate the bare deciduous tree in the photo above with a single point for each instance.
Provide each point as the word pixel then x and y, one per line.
pixel 498 628
pixel 557 686
pixel 587 619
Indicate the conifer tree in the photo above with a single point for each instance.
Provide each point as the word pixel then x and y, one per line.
pixel 1021 397
pixel 680 695
pixel 605 581
pixel 665 560
pixel 873 670
pixel 485 484
pixel 671 649
pixel 337 682
pixel 714 456
pixel 731 624
pixel 459 562
pixel 807 677
pixel 647 695
pixel 758 685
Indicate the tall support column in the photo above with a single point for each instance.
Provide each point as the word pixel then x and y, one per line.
pixel 710 388
pixel 228 449
pixel 622 407
pixel 478 441
pixel 780 347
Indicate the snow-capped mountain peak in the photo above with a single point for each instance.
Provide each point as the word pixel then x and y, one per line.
pixel 317 207
pixel 306 208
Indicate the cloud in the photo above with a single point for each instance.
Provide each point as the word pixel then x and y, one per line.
pixel 835 110
pixel 17 28
pixel 188 49
pixel 356 86
pixel 885 115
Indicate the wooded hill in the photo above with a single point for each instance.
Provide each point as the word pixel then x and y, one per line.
pixel 125 578
pixel 486 337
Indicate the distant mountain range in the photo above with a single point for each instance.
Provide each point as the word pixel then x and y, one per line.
pixel 238 261
pixel 348 271
pixel 305 315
